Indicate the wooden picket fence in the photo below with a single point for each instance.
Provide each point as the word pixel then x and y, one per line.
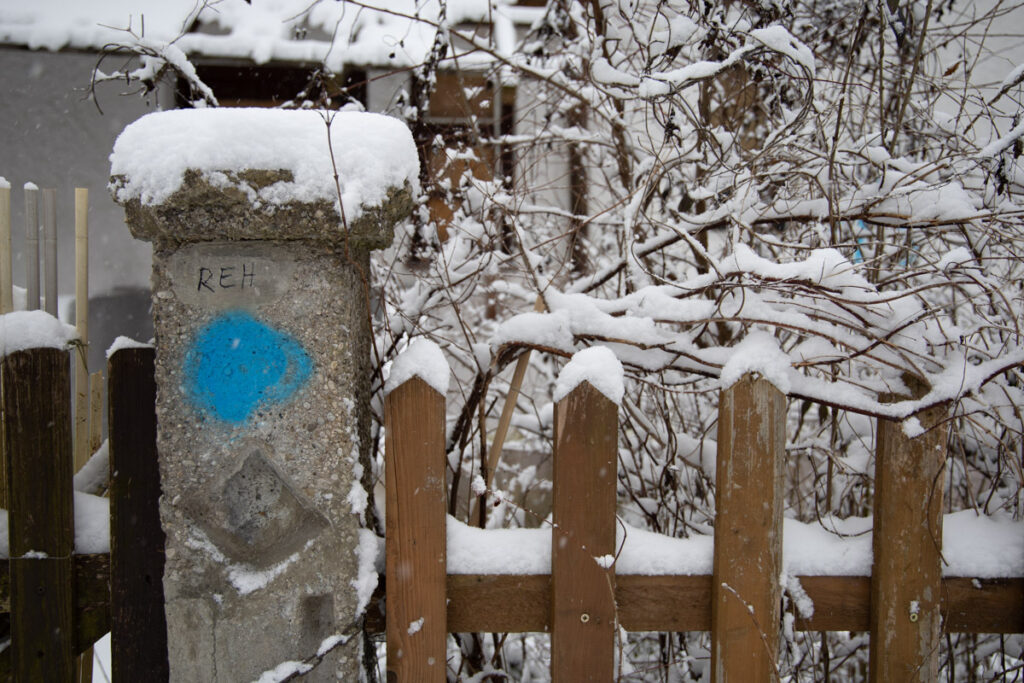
pixel 48 592
pixel 906 604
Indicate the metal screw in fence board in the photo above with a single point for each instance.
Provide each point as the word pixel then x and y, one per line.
pixel 36 388
pixel 416 517
pixel 138 645
pixel 583 592
pixel 906 576
pixel 748 532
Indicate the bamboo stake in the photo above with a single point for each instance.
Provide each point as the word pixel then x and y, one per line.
pixel 6 305
pixel 50 251
pixel 82 451
pixel 6 282
pixel 510 406
pixel 31 247
pixel 498 442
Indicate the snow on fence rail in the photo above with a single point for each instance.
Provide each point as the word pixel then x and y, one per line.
pixel 906 603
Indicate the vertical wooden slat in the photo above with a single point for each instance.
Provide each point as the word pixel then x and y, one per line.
pixel 138 645
pixel 50 251
pixel 906 574
pixel 416 536
pixel 31 247
pixel 746 596
pixel 6 305
pixel 82 451
pixel 6 281
pixel 95 412
pixel 37 433
pixel 85 660
pixel 583 507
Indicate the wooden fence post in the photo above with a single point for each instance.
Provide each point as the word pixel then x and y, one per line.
pixel 906 576
pixel 36 390
pixel 583 592
pixel 138 633
pixel 414 439
pixel 745 607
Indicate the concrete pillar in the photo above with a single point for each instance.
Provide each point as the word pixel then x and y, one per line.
pixel 263 371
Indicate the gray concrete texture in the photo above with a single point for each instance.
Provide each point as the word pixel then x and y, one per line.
pixel 263 371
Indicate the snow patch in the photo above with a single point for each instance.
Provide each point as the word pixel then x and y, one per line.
pixel 373 153
pixel 22 330
pixel 596 365
pixel 92 526
pixel 125 343
pixel 759 353
pixel 94 476
pixel 366 578
pixel 246 580
pixel 424 359
pixel 781 40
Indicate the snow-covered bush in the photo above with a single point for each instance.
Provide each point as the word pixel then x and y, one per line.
pixel 831 184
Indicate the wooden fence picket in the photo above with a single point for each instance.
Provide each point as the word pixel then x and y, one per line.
pixel 36 386
pixel 906 576
pixel 583 508
pixel 138 634
pixel 414 439
pixel 746 596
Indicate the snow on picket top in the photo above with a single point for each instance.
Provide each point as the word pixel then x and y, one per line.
pixel 373 153
pixel 123 342
pixel 33 329
pixel 424 359
pixel 758 353
pixel 596 365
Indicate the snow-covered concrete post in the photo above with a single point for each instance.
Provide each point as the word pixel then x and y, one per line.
pixel 263 369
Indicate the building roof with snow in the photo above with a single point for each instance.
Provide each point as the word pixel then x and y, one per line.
pixel 383 33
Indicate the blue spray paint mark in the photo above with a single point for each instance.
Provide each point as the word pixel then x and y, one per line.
pixel 238 363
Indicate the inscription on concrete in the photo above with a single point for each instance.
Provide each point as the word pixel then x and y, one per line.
pixel 220 276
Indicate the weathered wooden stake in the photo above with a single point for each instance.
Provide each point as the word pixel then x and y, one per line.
pixel 31 247
pixel 37 436
pixel 6 283
pixel 416 518
pixel 95 412
pixel 138 645
pixel 82 412
pixel 906 575
pixel 583 616
pixel 50 251
pixel 745 607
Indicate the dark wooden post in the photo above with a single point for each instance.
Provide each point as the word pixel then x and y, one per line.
pixel 138 631
pixel 906 576
pixel 36 391
pixel 745 607
pixel 583 506
pixel 417 629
